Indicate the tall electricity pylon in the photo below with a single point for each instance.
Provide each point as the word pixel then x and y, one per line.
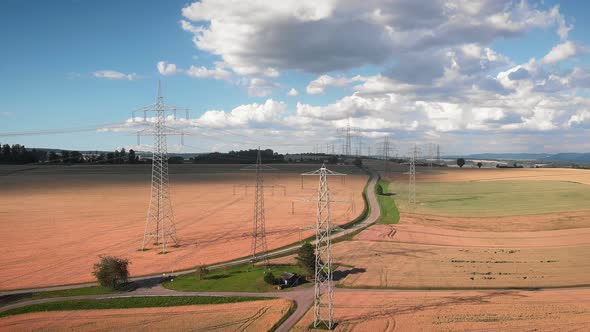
pixel 323 307
pixel 159 225
pixel 438 154
pixel 259 247
pixel 348 134
pixel 412 184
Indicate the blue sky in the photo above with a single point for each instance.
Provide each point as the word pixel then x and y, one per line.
pixel 401 84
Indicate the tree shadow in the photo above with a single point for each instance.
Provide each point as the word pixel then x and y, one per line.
pixel 341 274
pixel 217 277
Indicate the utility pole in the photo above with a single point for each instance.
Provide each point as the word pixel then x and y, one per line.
pixel 159 226
pixel 323 307
pixel 259 247
pixel 412 184
pixel 438 154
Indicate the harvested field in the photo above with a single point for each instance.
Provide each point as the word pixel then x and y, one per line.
pixel 551 310
pixel 403 265
pixel 526 223
pixel 445 237
pixel 56 220
pixel 243 316
pixel 494 198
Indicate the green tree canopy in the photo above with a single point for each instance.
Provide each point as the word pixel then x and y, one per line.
pixel 306 258
pixel 111 272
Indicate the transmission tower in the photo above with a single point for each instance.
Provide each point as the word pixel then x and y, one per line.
pixel 412 184
pixel 430 154
pixel 259 247
pixel 323 307
pixel 438 154
pixel 348 134
pixel 159 226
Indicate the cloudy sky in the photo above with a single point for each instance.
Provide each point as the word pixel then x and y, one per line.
pixel 472 76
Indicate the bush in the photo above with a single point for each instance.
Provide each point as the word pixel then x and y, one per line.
pixel 460 162
pixel 306 258
pixel 112 272
pixel 379 189
pixel 270 278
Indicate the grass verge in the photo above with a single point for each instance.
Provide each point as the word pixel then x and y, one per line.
pixel 240 278
pixel 389 211
pixel 128 302
pixel 92 290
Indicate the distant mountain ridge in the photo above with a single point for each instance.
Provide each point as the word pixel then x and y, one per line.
pixel 572 157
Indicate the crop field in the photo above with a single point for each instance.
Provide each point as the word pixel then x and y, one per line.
pixel 494 198
pixel 551 310
pixel 242 316
pixel 477 229
pixel 55 221
pixel 412 266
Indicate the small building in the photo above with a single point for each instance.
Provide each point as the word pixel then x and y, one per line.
pixel 288 279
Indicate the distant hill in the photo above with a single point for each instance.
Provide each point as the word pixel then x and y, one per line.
pixel 571 157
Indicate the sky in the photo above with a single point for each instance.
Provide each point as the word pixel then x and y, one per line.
pixel 473 76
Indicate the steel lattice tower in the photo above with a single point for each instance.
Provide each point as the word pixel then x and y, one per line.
pixel 259 226
pixel 323 308
pixel 159 226
pixel 412 184
pixel 259 247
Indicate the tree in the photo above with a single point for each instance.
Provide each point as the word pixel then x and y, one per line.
pixel 358 162
pixel 112 271
pixel 479 164
pixel 202 272
pixel 132 156
pixel 270 278
pixel 65 156
pixel 76 157
pixel 52 156
pixel 460 162
pixel 306 258
pixel 379 189
pixel 6 151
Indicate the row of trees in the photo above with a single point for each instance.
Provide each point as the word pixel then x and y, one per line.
pixel 19 154
pixel 239 157
pixel 75 157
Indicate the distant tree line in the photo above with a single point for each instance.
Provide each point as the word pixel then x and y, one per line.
pixel 239 157
pixel 19 154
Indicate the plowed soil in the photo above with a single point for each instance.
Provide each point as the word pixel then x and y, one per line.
pixel 243 316
pixel 386 264
pixel 55 222
pixel 552 310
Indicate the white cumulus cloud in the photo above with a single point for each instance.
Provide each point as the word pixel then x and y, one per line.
pixel 167 69
pixel 114 75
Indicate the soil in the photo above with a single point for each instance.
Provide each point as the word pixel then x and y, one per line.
pixel 55 221
pixel 243 316
pixel 551 310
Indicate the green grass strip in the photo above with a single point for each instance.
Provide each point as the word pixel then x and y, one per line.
pixel 389 211
pixel 128 302
pixel 240 278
